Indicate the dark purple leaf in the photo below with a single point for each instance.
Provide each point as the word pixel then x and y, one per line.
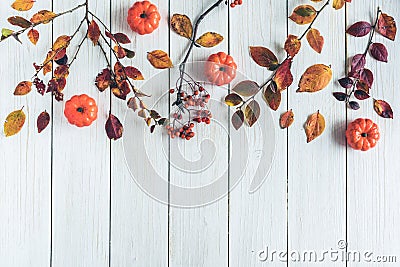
pixel 359 29
pixel 379 52
pixel 114 128
pixel 367 76
pixel 358 63
pixel 43 121
pixel 354 105
pixel 121 38
pixel 340 96
pixel 346 82
pixel 152 128
pixel 361 95
pixel 40 86
pixel 361 85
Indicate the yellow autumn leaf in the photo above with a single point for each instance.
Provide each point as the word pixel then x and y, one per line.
pixel 316 40
pixel 303 14
pixel 43 16
pixel 182 25
pixel 338 4
pixel 14 123
pixel 315 78
pixel 210 39
pixel 315 126
pixel 159 59
pixel 23 5
pixel 61 42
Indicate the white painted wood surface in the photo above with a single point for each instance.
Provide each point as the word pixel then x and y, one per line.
pixel 67 197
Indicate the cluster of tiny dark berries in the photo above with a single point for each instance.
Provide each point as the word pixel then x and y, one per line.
pixel 193 109
pixel 236 3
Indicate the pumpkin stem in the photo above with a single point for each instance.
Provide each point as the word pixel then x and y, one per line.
pixel 221 69
pixel 143 15
pixel 364 134
pixel 80 109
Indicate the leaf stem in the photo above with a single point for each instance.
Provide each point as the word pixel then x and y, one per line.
pixel 178 101
pixel 312 23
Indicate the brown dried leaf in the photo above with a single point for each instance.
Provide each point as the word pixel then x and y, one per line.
pixel 93 32
pixel 383 109
pixel 33 36
pixel 132 104
pixel 121 38
pixel 252 112
pixel 23 5
pixel 14 122
pixel 283 76
pixel 23 88
pixel 19 21
pixel 237 119
pixel 286 119
pixel 48 67
pixel 119 71
pixel 273 98
pixel 114 128
pixel 182 25
pixel 387 26
pixel 103 80
pixel 233 100
pixel 133 73
pixel 210 39
pixel 43 121
pixel 159 59
pixel 61 72
pixel 292 45
pixel 43 16
pixel 315 78
pixel 246 88
pixel 121 90
pixel 121 53
pixel 315 40
pixel 303 14
pixel 264 57
pixel 315 126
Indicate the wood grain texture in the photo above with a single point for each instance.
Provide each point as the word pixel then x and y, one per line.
pixel 199 237
pixel 25 158
pixel 258 221
pixel 81 158
pixel 139 232
pixel 373 201
pixel 317 173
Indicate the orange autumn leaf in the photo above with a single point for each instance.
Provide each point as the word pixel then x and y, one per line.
pixel 315 40
pixel 292 45
pixel 283 76
pixel 23 88
pixel 23 5
pixel 338 4
pixel 133 73
pixel 61 42
pixel 43 16
pixel 159 59
pixel 210 39
pixel 272 96
pixel 387 26
pixel 33 36
pixel 303 14
pixel 182 25
pixel 264 57
pixel 315 126
pixel 94 32
pixel 286 119
pixel 315 78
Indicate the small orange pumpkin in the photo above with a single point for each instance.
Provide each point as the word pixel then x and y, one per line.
pixel 81 110
pixel 220 68
pixel 143 17
pixel 362 134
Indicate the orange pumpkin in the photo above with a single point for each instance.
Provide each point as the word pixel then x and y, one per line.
pixel 220 68
pixel 143 17
pixel 81 110
pixel 362 134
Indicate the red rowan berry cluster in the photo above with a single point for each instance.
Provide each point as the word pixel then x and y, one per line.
pixel 236 3
pixel 193 108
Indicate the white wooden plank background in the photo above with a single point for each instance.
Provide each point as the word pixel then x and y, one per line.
pixel 67 197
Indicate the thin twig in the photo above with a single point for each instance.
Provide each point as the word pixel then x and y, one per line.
pixel 372 33
pixel 77 51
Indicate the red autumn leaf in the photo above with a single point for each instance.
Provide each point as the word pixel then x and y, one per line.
pixel 286 119
pixel 43 121
pixel 237 119
pixel 358 63
pixel 121 90
pixel 361 95
pixel 283 76
pixel 387 26
pixel 114 128
pixel 133 73
pixel 383 109
pixel 379 52
pixel 361 85
pixel 94 32
pixel 33 36
pixel 273 98
pixel 367 76
pixel 292 45
pixel 121 38
pixel 119 71
pixel 316 40
pixel 359 29
pixel 61 71
pixel 60 54
pixel 40 86
pixel 264 57
pixel 346 82
pixel 119 51
pixel 110 35
pixel 103 80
